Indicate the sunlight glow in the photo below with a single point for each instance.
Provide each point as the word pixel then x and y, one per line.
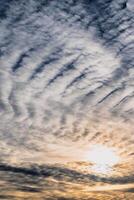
pixel 103 158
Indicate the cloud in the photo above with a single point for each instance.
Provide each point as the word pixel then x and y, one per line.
pixel 66 80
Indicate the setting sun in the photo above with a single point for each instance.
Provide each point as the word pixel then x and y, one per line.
pixel 103 158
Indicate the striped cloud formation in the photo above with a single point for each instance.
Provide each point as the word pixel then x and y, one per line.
pixel 66 83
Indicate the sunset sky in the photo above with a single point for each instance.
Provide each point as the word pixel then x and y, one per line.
pixel 66 99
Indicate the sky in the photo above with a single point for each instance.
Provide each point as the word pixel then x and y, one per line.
pixel 66 87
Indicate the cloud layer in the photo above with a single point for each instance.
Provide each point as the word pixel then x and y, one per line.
pixel 66 81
